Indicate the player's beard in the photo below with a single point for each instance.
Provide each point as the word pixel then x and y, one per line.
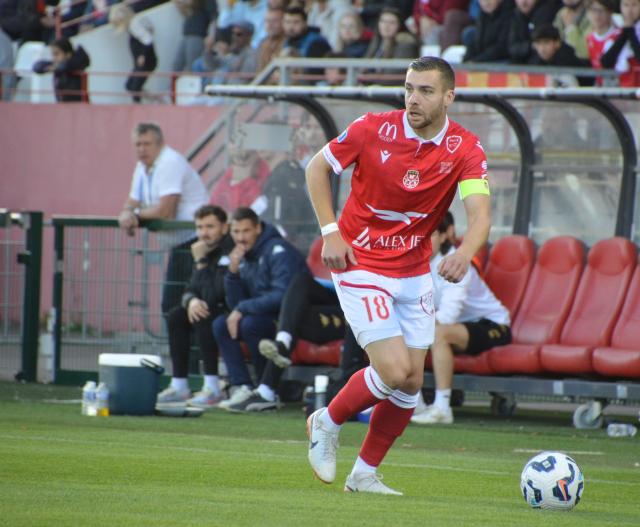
pixel 434 116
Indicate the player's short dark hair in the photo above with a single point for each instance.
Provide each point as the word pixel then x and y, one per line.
pixel 545 32
pixel 436 63
pixel 296 11
pixel 211 210
pixel 245 213
pixel 143 128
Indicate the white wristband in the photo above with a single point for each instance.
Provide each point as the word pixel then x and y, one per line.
pixel 329 228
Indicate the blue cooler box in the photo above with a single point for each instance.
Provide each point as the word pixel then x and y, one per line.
pixel 132 380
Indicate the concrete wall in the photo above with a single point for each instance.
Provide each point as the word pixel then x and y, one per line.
pixel 78 159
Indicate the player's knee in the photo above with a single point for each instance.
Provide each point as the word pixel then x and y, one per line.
pixel 395 375
pixel 413 383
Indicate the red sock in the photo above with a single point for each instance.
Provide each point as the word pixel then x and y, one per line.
pixel 354 397
pixel 388 421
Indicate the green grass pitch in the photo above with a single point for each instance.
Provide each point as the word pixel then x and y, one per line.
pixel 59 468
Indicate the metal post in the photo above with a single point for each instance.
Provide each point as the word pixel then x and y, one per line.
pixel 32 260
pixel 57 295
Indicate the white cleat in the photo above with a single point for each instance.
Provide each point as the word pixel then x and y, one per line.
pixel 323 445
pixel 433 415
pixel 368 482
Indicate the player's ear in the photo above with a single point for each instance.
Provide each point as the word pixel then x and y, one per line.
pixel 449 97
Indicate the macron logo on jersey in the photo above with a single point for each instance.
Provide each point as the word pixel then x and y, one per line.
pixel 384 155
pixel 392 215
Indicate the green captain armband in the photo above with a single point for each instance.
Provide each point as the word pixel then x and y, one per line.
pixel 473 186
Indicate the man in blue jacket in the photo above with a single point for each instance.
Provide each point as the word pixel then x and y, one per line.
pixel 261 265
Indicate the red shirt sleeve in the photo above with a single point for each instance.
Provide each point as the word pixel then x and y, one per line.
pixel 474 163
pixel 345 149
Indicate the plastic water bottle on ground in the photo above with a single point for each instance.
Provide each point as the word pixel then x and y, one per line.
pixel 102 400
pixel 89 398
pixel 621 430
pixel 320 388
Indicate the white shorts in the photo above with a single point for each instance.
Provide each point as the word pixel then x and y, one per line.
pixel 379 307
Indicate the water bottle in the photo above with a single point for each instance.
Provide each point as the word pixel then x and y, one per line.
pixel 621 430
pixel 89 398
pixel 102 400
pixel 320 389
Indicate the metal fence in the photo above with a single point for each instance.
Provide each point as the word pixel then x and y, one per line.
pixel 20 264
pixel 110 289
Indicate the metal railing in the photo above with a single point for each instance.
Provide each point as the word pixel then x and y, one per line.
pixel 109 289
pixel 20 245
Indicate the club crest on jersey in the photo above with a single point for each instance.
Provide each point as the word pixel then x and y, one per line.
pixel 387 132
pixel 453 143
pixel 446 167
pixel 411 179
pixel 343 136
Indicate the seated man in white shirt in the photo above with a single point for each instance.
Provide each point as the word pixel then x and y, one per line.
pixel 469 319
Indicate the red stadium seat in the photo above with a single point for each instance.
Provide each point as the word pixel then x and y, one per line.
pixel 308 353
pixel 508 269
pixel 622 359
pixel 544 308
pixel 596 307
pixel 313 354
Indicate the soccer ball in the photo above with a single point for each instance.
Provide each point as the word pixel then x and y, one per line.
pixel 552 480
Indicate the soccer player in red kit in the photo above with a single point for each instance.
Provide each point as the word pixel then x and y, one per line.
pixel 408 166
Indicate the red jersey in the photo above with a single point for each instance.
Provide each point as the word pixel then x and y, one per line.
pixel 599 44
pixel 230 196
pixel 401 188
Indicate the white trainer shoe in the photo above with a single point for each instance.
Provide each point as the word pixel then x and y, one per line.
pixel 205 399
pixel 323 445
pixel 368 482
pixel 433 416
pixel 171 395
pixel 239 395
pixel 275 351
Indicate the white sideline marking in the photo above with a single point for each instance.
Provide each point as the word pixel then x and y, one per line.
pixel 576 452
pixel 281 456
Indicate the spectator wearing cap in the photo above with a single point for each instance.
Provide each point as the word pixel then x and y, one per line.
pixel 528 15
pixel 253 11
pixel 232 64
pixel 551 50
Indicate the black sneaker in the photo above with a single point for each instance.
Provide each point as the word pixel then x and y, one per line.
pixel 255 403
pixel 275 351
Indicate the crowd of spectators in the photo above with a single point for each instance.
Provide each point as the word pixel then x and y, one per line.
pixel 229 41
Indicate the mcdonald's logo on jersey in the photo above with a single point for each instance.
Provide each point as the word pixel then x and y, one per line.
pixel 387 132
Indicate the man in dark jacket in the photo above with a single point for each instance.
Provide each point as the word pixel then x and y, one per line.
pixel 489 42
pixel 68 67
pixel 202 302
pixel 261 265
pixel 551 50
pixel 528 15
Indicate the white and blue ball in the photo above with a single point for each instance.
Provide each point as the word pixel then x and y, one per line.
pixel 552 480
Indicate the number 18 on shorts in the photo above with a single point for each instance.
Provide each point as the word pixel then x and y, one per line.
pixel 379 307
